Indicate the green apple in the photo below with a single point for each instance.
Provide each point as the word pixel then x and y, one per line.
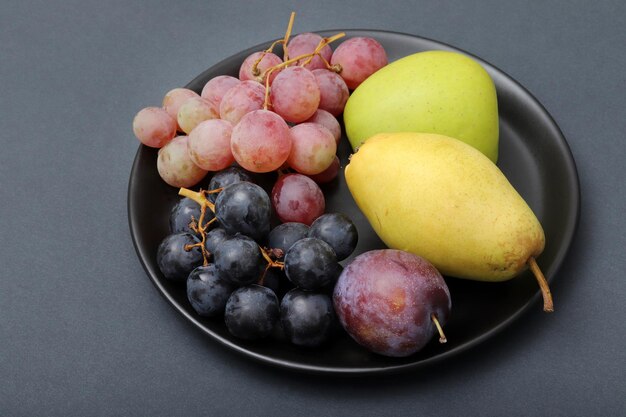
pixel 429 92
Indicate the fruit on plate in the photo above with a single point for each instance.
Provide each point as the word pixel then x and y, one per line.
pixel 392 302
pixel 178 254
pixel 311 264
pixel 244 207
pixel 358 58
pixel 307 317
pixel 283 236
pixel 175 165
pixel 209 144
pixel 297 198
pixel 207 291
pixel 154 127
pixel 175 98
pixel 239 260
pixel 260 141
pixel 338 231
pixel 313 148
pixel 251 312
pixel 441 199
pixel 306 43
pixel 195 110
pixel 435 92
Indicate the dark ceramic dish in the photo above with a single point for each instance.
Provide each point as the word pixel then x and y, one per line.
pixel 534 156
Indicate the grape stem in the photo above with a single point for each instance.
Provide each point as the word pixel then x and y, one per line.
pixel 318 50
pixel 287 35
pixel 201 228
pixel 255 67
pixel 266 74
pixel 548 305
pixel 270 262
pixel 199 197
pixel 442 336
pixel 323 42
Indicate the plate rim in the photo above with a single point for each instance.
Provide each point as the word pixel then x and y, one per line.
pixel 569 229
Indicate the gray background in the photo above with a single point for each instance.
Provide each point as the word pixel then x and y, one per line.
pixel 84 332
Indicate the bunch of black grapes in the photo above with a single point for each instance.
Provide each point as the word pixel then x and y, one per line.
pixel 259 279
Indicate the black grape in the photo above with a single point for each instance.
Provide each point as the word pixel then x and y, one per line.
pixel 308 318
pixel 226 177
pixel 176 262
pixel 214 238
pixel 207 291
pixel 244 208
pixel 251 312
pixel 182 214
pixel 276 280
pixel 338 231
pixel 239 260
pixel 311 264
pixel 285 235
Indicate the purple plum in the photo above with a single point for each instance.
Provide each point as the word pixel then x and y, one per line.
pixel 390 301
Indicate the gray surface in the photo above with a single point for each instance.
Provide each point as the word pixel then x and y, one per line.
pixel 84 332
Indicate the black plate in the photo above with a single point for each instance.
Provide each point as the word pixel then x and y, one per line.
pixel 534 156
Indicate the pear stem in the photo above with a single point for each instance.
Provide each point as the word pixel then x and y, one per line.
pixel 442 336
pixel 548 306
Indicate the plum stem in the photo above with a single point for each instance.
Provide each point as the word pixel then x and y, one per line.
pixel 442 336
pixel 548 305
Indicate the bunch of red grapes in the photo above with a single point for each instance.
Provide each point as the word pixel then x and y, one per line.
pixel 279 114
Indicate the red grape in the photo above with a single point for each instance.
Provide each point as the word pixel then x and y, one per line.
pixel 295 94
pixel 194 111
pixel 174 99
pixel 334 92
pixel 209 144
pixel 154 127
pixel 241 99
pixel 327 120
pixel 268 61
pixel 328 174
pixel 176 167
pixel 261 141
pixel 305 43
pixel 313 148
pixel 359 58
pixel 297 198
pixel 215 88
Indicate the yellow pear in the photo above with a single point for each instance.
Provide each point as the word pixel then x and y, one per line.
pixel 440 198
